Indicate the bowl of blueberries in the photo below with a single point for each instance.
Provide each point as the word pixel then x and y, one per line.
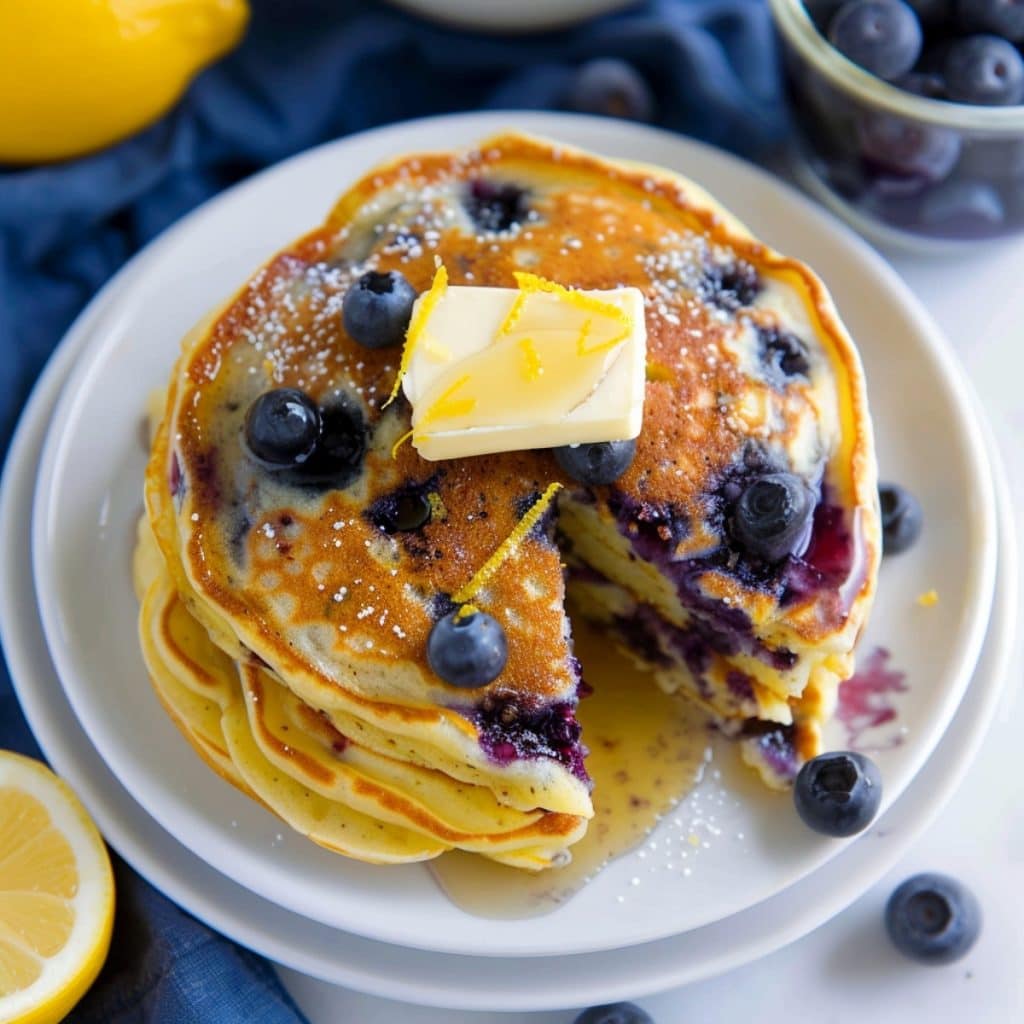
pixel 910 113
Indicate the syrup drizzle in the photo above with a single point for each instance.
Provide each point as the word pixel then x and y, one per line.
pixel 648 750
pixel 865 700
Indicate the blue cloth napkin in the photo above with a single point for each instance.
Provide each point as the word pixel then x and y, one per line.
pixel 308 71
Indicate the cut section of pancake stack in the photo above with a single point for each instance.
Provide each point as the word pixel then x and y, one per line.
pixel 284 618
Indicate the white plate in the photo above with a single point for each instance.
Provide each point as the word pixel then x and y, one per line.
pixel 510 15
pixel 438 979
pixel 88 498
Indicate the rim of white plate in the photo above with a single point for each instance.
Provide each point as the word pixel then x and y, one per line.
pixel 113 808
pixel 18 622
pixel 492 938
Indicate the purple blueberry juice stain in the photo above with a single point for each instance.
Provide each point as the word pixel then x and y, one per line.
pixel 866 700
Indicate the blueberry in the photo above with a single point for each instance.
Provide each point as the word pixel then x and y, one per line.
pixel 882 36
pixel 596 464
pixel 932 13
pixel 468 651
pixel 783 352
pixel 377 308
pixel 902 146
pixel 403 512
pixel 615 1013
pixel 773 516
pixel 730 286
pixel 929 84
pixel 838 793
pixel 995 158
pixel 902 518
pixel 963 208
pixel 984 70
pixel 496 205
pixel 933 919
pixel 282 428
pixel 339 452
pixel 1001 17
pixel 821 12
pixel 612 87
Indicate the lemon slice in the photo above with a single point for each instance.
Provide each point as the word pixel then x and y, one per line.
pixel 56 895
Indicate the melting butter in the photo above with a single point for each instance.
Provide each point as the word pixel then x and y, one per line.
pixel 647 751
pixel 504 369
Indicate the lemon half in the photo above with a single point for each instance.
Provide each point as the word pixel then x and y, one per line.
pixel 56 895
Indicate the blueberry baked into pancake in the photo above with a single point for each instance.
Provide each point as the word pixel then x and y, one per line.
pixel 496 385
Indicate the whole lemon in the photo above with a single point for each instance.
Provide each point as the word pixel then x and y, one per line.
pixel 77 75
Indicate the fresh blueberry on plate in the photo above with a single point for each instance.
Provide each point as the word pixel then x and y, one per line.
pixel 612 87
pixel 838 794
pixel 1000 17
pixel 985 70
pixel 282 428
pixel 933 919
pixel 376 310
pixel 773 516
pixel 902 518
pixel 614 1013
pixel 596 464
pixel 468 650
pixel 882 36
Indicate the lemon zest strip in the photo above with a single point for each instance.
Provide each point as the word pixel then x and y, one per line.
pixel 415 332
pixel 532 367
pixel 447 406
pixel 508 546
pixel 398 444
pixel 529 283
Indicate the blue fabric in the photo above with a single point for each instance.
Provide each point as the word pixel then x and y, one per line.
pixel 308 71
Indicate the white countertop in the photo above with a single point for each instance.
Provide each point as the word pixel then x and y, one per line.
pixel 846 970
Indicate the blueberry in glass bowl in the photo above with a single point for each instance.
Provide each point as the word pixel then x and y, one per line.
pixel 909 114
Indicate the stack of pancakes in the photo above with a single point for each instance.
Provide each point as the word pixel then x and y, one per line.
pixel 285 618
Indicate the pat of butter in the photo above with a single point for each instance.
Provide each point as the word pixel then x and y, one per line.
pixel 504 369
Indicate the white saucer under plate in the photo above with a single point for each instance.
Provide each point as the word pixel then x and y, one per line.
pixel 434 978
pixel 87 501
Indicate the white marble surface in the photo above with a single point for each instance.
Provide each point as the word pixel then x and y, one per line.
pixel 846 971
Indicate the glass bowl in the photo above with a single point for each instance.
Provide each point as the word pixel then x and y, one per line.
pixel 901 167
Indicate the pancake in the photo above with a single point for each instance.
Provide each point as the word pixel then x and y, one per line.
pixel 308 587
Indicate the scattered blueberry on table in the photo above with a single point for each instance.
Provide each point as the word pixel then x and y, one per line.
pixel 838 793
pixel 933 919
pixel 376 310
pixel 930 174
pixel 615 1013
pixel 902 518
pixel 467 649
